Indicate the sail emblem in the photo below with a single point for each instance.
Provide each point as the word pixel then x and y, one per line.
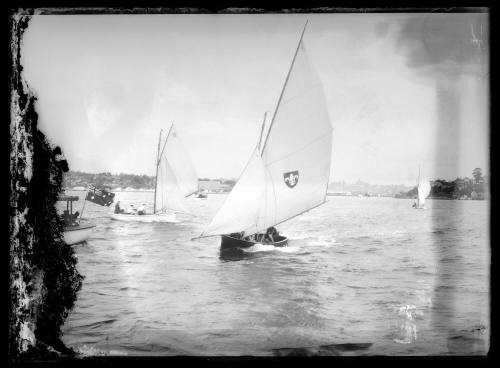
pixel 291 178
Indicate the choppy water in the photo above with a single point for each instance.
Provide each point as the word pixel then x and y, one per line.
pixel 361 276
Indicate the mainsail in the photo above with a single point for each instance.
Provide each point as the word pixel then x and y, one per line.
pixel 423 189
pixel 290 174
pixel 175 175
pixel 180 161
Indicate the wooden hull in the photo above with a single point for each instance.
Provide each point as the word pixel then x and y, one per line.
pixel 228 242
pixel 77 234
pixel 163 217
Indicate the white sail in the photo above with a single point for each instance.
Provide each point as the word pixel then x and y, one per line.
pixel 168 196
pixel 423 189
pixel 292 172
pixel 242 206
pixel 297 151
pixel 181 163
pixel 175 175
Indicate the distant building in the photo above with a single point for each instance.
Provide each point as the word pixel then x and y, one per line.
pixel 225 187
pixel 211 186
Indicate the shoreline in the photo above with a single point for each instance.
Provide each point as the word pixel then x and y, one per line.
pixel 131 191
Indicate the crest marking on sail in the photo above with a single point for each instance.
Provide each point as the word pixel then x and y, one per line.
pixel 291 178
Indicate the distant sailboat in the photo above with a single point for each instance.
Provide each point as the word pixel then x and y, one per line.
pixel 175 179
pixel 423 190
pixel 288 173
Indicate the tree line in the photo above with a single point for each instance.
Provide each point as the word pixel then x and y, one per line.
pixel 460 188
pixel 109 181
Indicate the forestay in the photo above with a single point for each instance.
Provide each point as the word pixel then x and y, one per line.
pixel 291 173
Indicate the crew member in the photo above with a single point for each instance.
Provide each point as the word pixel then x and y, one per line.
pixel 141 210
pixel 66 217
pixel 75 218
pixel 117 208
pixel 131 210
pixel 272 234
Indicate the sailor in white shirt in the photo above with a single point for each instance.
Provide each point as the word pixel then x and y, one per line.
pixel 141 210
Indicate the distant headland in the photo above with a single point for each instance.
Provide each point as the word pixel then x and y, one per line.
pixel 460 188
pixel 78 180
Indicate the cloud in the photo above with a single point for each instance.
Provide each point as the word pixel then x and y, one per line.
pixel 450 52
pixel 445 44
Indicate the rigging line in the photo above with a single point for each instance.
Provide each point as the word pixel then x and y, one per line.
pixel 324 136
pixel 156 173
pixel 262 129
pixel 298 214
pixel 301 213
pixel 284 86
pixel 166 140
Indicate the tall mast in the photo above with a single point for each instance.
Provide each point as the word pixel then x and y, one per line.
pixel 156 173
pixel 161 154
pixel 284 86
pixel 262 129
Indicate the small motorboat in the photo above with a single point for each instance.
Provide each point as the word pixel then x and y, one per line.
pixel 75 234
pixel 75 230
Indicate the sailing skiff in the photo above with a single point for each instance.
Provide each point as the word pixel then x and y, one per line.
pixel 175 179
pixel 423 190
pixel 288 171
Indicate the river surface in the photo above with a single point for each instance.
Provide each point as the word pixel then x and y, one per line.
pixel 360 276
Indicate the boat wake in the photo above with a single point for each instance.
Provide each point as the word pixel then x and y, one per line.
pixel 145 218
pixel 296 236
pixel 259 247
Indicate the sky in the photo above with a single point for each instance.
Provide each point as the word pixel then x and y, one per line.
pixel 403 91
